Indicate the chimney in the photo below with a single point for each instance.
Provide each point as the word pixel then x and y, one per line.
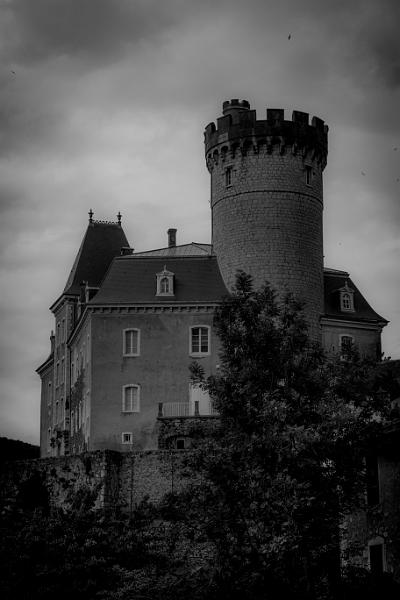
pixel 171 238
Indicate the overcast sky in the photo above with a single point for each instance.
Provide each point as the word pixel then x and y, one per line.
pixel 103 104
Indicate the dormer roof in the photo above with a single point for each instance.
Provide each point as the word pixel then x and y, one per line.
pixel 336 282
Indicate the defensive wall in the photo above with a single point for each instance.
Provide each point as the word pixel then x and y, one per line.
pixel 102 479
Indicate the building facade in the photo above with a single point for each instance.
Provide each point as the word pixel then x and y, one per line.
pixel 127 325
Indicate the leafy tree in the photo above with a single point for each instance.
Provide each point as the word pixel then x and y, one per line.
pixel 287 461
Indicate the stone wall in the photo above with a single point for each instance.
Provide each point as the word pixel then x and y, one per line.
pixel 102 479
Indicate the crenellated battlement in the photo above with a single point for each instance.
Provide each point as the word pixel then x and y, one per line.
pixel 239 129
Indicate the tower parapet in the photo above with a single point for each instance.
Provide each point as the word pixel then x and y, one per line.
pixel 267 199
pixel 239 130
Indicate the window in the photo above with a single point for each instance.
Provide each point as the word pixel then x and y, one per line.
pixel 346 343
pixel 346 302
pixel 131 398
pixel 57 373
pixel 180 443
pixel 131 342
pixel 308 175
pixel 72 422
pixel 62 369
pixel 377 556
pixel 63 330
pixel 165 283
pixel 346 298
pixel 228 176
pixel 50 394
pixel 199 340
pixel 127 437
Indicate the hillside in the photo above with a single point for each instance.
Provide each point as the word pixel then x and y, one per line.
pixel 17 450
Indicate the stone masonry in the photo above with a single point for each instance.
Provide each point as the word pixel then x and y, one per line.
pixel 267 201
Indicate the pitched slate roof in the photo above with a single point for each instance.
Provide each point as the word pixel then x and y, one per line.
pixel 102 241
pixel 192 249
pixel 132 280
pixel 333 281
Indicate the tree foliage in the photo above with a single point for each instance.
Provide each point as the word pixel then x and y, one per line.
pixel 287 461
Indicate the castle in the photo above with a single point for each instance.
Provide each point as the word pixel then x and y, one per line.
pixel 127 325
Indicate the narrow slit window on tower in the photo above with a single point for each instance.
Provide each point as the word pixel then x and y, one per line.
pixel 308 175
pixel 228 176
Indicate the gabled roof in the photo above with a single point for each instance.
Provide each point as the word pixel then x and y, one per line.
pixel 132 280
pixel 334 281
pixel 101 243
pixel 192 249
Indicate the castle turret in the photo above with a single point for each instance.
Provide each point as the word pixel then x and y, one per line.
pixel 267 200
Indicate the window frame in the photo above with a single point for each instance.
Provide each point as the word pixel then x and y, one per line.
pixel 134 409
pixel 124 344
pixel 380 542
pixel 345 296
pixel 165 274
pixel 341 349
pixel 124 442
pixel 200 352
pixel 228 176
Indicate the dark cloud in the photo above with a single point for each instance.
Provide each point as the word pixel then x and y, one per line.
pixel 97 30
pixel 106 110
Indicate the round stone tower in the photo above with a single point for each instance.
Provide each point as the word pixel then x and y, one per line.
pixel 267 200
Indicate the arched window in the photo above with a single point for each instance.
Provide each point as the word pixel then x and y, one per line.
pixel 164 285
pixel 346 298
pixel 346 301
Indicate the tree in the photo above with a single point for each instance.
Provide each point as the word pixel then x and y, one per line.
pixel 287 461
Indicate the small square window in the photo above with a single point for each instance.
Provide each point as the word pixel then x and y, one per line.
pixel 180 443
pixel 131 342
pixel 127 437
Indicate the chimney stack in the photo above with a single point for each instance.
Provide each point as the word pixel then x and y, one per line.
pixel 171 238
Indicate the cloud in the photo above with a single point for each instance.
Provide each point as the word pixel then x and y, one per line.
pixel 107 106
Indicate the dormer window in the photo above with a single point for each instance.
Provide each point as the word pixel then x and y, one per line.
pixel 346 298
pixel 165 283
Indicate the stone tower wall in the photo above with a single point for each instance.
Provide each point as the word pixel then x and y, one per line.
pixel 266 208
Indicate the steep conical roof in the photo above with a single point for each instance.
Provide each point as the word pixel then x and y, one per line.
pixel 102 242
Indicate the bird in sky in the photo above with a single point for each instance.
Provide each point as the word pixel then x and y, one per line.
pixel 362 173
pixel 289 36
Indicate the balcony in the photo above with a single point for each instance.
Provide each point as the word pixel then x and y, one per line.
pixel 195 408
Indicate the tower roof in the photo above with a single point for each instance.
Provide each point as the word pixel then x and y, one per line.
pixel 102 241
